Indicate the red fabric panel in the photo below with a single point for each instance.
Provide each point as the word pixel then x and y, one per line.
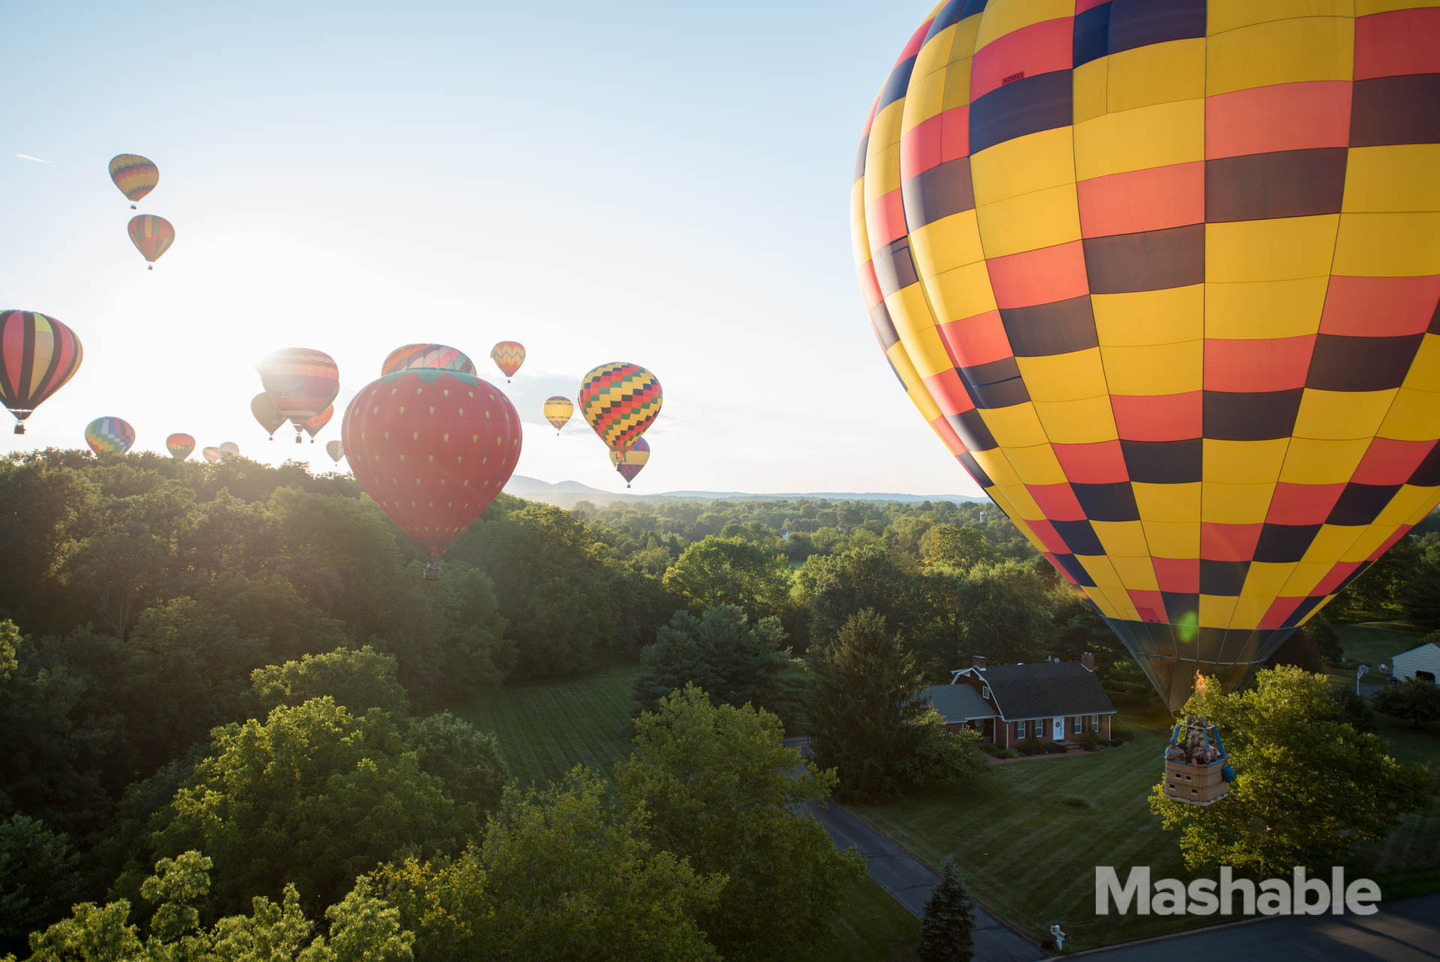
pixel 1057 501
pixel 948 392
pixel 1041 276
pixel 976 340
pixel 1379 306
pixel 1102 462
pixel 1161 417
pixel 1397 42
pixel 1142 200
pixel 1268 364
pixel 1281 117
pixel 1302 503
pixel 1390 462
pixel 1228 542
pixel 1180 575
pixel 1039 48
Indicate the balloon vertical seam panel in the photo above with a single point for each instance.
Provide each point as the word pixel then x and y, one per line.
pixel 1165 281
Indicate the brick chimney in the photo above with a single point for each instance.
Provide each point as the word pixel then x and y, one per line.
pixel 978 662
pixel 1087 660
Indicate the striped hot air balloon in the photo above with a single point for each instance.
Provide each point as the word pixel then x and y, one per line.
pixel 508 356
pixel 136 176
pixel 301 381
pixel 38 355
pixel 619 401
pixel 152 236
pixel 438 357
pixel 211 454
pixel 180 446
pixel 109 435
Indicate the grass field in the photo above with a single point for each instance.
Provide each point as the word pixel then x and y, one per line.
pixel 546 729
pixel 1375 643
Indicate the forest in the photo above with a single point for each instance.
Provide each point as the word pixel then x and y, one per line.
pixel 227 694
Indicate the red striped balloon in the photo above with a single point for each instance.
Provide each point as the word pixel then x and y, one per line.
pixel 38 355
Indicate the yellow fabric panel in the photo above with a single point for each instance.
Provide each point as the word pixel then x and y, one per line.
pixel 1415 416
pixel 1169 502
pixel 1035 465
pixel 882 153
pixel 1315 461
pixel 859 239
pixel 1243 462
pixel 1173 539
pixel 1388 245
pixel 1394 178
pixel 1020 499
pixel 995 464
pixel 1224 15
pixel 1235 503
pixel 1017 426
pixel 1155 369
pixel 1139 139
pixel 962 292
pixel 1343 414
pixel 1156 73
pixel 1420 513
pixel 1003 18
pixel 1216 610
pixel 924 98
pixel 1010 510
pixel 919 394
pixel 1024 164
pixel 1409 499
pixel 1424 374
pixel 1136 573
pixel 916 327
pixel 1078 422
pixel 1115 604
pixel 1264 580
pixel 957 76
pixel 1089 94
pixel 1330 544
pixel 1368 542
pixel 1100 571
pixel 1248 612
pixel 1366 7
pixel 1132 319
pixel 936 53
pixel 1271 250
pixel 1280 52
pixel 947 243
pixel 1042 218
pixel 1265 309
pixel 1305 578
pixel 1122 540
pixel 1064 377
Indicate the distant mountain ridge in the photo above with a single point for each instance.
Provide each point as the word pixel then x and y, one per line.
pixel 565 494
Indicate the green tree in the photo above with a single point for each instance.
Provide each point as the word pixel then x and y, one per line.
pixel 38 878
pixel 357 680
pixel 731 571
pixel 1413 700
pixel 945 929
pixel 9 644
pixel 1308 786
pixel 722 792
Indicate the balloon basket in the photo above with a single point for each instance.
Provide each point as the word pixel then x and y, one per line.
pixel 19 429
pixel 297 439
pixel 150 267
pixel 1197 769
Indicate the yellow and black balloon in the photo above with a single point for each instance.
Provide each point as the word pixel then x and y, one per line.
pixel 1164 277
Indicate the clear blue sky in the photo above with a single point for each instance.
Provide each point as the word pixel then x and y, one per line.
pixel 660 183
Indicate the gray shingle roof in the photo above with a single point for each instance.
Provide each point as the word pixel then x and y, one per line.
pixel 957 703
pixel 1046 690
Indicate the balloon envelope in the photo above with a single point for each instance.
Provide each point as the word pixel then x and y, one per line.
pixel 229 449
pixel 211 454
pixel 136 176
pixel 151 235
pixel 619 401
pixel 508 356
pixel 301 381
pixel 432 448
pixel 265 411
pixel 631 461
pixel 558 410
pixel 38 355
pixel 335 450
pixel 436 356
pixel 109 435
pixel 180 446
pixel 1166 288
pixel 313 425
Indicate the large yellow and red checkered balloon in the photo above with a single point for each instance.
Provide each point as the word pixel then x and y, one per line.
pixel 619 401
pixel 1163 276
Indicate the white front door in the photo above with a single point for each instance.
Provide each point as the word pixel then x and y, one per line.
pixel 1059 730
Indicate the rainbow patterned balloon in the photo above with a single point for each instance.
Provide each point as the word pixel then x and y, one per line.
pixel 109 435
pixel 1163 276
pixel 427 356
pixel 151 235
pixel 38 355
pixel 136 176
pixel 630 462
pixel 508 356
pixel 558 410
pixel 180 446
pixel 211 454
pixel 619 401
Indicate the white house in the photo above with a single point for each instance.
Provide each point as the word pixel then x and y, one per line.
pixel 1422 663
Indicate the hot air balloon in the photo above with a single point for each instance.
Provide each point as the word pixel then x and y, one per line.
pixel 109 435
pixel 136 176
pixel 152 236
pixel 265 411
pixel 302 382
pixel 619 400
pixel 432 448
pixel 38 355
pixel 558 410
pixel 631 461
pixel 211 454
pixel 1164 281
pixel 508 356
pixel 313 425
pixel 335 450
pixel 180 446
pixel 229 449
pixel 434 356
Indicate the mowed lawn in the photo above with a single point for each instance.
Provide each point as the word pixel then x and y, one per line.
pixel 546 729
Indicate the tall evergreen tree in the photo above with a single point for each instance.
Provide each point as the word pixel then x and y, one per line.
pixel 945 929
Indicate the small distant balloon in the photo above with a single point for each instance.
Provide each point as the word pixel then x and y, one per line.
pixel 211 454
pixel 558 410
pixel 508 356
pixel 630 461
pixel 180 446
pixel 313 425
pixel 265 411
pixel 335 450
pixel 151 235
pixel 431 357
pixel 38 355
pixel 136 176
pixel 301 381
pixel 109 435
pixel 229 449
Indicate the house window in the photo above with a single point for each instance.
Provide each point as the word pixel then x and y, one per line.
pixel 1076 725
pixel 1094 723
pixel 1020 729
